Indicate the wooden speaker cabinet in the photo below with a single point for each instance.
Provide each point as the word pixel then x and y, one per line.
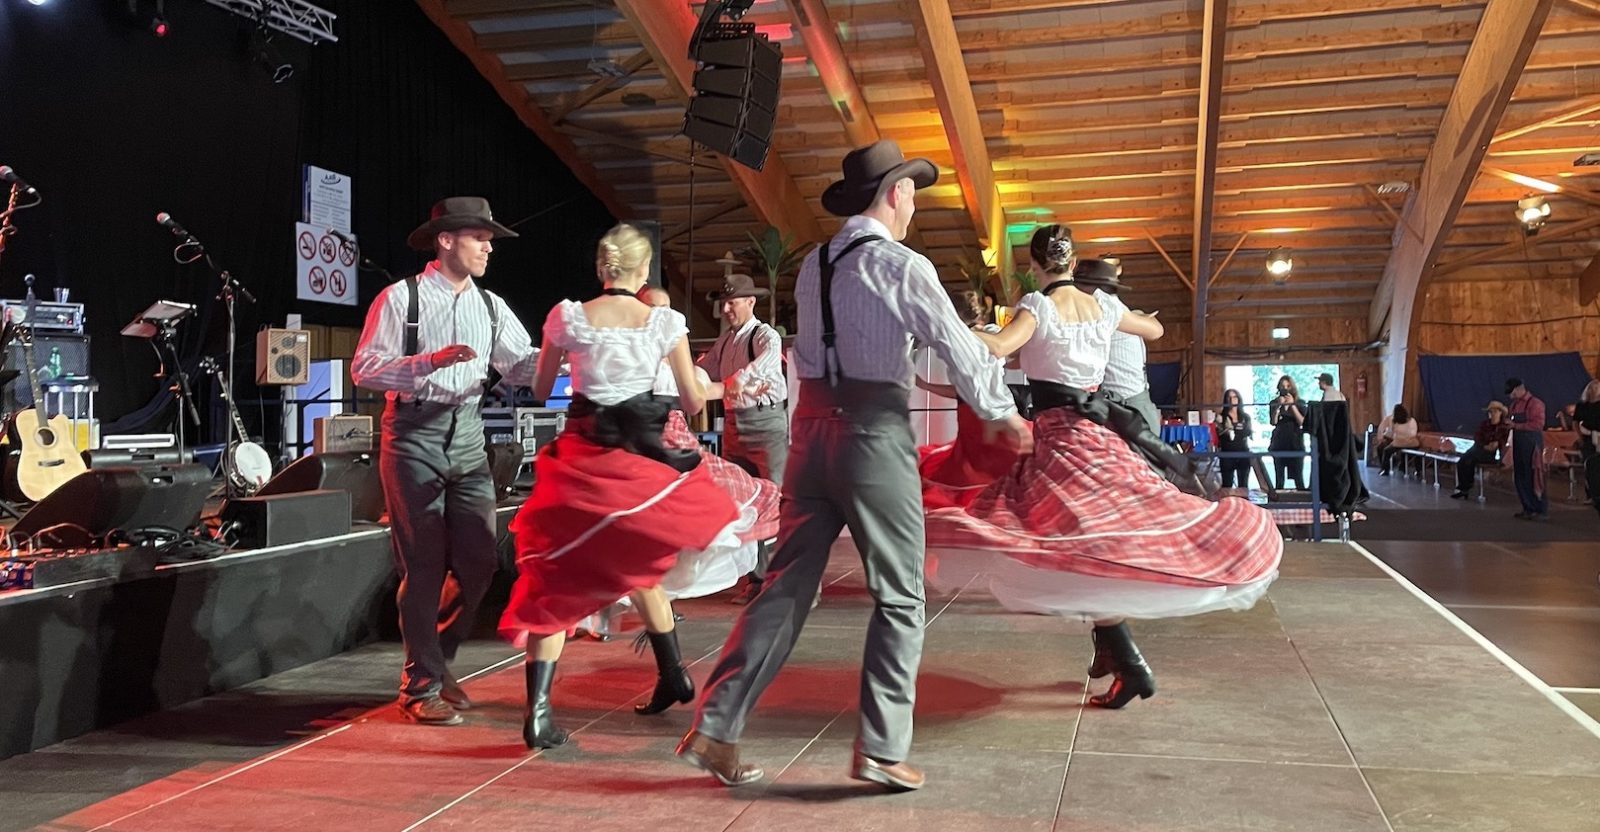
pixel 283 356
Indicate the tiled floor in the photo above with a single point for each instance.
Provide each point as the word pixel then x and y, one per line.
pixel 1342 703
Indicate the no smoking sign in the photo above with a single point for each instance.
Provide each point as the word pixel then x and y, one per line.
pixel 324 266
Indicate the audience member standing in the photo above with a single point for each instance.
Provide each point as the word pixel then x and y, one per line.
pixel 1233 436
pixel 1287 414
pixel 1527 451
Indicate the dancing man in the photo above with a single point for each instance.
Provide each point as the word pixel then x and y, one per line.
pixel 747 359
pixel 861 299
pixel 428 344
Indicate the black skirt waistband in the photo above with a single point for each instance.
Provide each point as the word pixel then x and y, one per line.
pixel 633 424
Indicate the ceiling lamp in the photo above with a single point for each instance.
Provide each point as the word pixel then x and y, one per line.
pixel 1279 263
pixel 1280 333
pixel 1532 211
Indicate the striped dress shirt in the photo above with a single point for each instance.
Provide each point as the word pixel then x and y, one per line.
pixel 447 317
pixel 729 359
pixel 1125 362
pixel 884 295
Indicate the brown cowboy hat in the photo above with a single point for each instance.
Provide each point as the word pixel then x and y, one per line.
pixel 1098 274
pixel 737 286
pixel 453 214
pixel 868 170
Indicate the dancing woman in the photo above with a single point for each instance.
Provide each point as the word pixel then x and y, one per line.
pixel 611 508
pixel 1083 527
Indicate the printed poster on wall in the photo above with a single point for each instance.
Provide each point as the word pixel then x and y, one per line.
pixel 325 269
pixel 325 199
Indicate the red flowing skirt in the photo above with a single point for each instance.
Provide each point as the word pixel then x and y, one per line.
pixel 953 474
pixel 1085 504
pixel 602 522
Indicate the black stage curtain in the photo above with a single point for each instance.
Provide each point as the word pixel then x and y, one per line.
pixel 114 125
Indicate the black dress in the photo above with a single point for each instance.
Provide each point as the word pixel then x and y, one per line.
pixel 1287 436
pixel 1588 416
pixel 1235 440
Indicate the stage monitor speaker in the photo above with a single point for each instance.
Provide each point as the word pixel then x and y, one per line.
pixel 736 97
pixel 281 519
pixel 283 356
pixel 135 457
pixel 352 471
pixel 107 499
pixel 54 355
pixel 505 460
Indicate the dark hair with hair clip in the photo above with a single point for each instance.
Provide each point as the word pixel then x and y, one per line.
pixel 1052 248
pixel 970 307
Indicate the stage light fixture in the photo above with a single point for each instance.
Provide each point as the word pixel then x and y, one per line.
pixel 1280 333
pixel 38 2
pixel 1532 212
pixel 1279 263
pixel 159 26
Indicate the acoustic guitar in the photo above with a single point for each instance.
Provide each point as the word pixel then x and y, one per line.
pixel 49 457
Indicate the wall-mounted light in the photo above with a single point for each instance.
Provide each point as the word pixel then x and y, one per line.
pixel 1279 263
pixel 1532 211
pixel 1280 333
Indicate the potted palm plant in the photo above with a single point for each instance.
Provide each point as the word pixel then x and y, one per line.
pixel 774 253
pixel 1025 281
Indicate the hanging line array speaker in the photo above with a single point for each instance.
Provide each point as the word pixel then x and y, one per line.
pixel 736 97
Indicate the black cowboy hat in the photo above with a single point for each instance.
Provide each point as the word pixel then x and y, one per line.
pixel 737 286
pixel 453 214
pixel 867 170
pixel 1097 274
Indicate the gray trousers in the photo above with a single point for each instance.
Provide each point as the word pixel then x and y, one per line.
pixel 853 463
pixel 757 440
pixel 1152 415
pixel 441 522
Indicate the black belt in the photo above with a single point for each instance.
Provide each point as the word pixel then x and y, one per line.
pixel 1107 410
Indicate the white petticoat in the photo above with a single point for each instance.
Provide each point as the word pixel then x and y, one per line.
pixel 1023 588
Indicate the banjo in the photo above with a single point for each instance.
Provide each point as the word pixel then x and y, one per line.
pixel 247 464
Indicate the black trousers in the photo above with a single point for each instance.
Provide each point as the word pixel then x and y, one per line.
pixel 1235 469
pixel 1467 467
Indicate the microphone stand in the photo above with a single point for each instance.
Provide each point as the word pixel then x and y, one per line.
pixel 180 380
pixel 231 290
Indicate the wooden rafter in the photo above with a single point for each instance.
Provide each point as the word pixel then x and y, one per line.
pixel 1549 235
pixel 952 90
pixel 635 62
pixel 727 206
pixel 664 27
pixel 1176 269
pixel 1578 194
pixel 1489 74
pixel 1559 115
pixel 1213 51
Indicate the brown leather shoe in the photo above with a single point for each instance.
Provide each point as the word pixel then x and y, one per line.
pixel 898 777
pixel 719 758
pixel 453 694
pixel 430 711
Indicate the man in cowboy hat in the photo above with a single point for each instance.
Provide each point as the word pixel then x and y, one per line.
pixel 1527 451
pixel 1125 374
pixel 747 361
pixel 861 299
pixel 429 344
pixel 1488 446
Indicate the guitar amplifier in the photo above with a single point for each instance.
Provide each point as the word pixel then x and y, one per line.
pixel 55 355
pixel 344 432
pixel 283 356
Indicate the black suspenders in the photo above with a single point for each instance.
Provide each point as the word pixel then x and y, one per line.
pixel 414 326
pixel 826 265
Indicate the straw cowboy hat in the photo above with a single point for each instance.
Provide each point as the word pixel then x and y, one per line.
pixel 868 170
pixel 737 286
pixel 454 214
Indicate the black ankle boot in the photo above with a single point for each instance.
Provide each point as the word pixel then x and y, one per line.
pixel 673 684
pixel 538 725
pixel 1101 664
pixel 1133 676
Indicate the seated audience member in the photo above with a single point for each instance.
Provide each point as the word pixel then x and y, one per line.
pixel 1397 432
pixel 1488 445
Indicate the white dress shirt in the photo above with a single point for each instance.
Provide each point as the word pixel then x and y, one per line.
pixel 728 360
pixel 1125 373
pixel 447 317
pixel 884 294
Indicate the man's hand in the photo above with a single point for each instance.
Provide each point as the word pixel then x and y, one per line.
pixel 452 355
pixel 1013 432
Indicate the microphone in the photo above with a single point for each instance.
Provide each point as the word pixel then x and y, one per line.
pixel 166 221
pixel 344 239
pixel 10 177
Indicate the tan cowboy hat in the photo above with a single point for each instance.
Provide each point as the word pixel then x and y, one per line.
pixel 737 286
pixel 868 170
pixel 454 214
pixel 1497 406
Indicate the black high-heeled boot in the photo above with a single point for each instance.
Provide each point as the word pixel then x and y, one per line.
pixel 673 685
pixel 1133 676
pixel 538 724
pixel 1101 664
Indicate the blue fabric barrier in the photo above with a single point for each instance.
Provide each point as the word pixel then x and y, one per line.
pixel 1458 386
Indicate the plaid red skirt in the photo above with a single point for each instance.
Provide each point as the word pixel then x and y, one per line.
pixel 1085 503
pixel 602 522
pixel 756 497
pixel 954 473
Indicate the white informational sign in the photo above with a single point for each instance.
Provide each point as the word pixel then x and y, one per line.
pixel 325 269
pixel 325 199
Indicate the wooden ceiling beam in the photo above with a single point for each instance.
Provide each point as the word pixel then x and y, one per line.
pixel 1560 115
pixel 665 28
pixel 1546 186
pixel 1213 52
pixel 1489 74
pixel 1546 236
pixel 635 62
pixel 952 88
